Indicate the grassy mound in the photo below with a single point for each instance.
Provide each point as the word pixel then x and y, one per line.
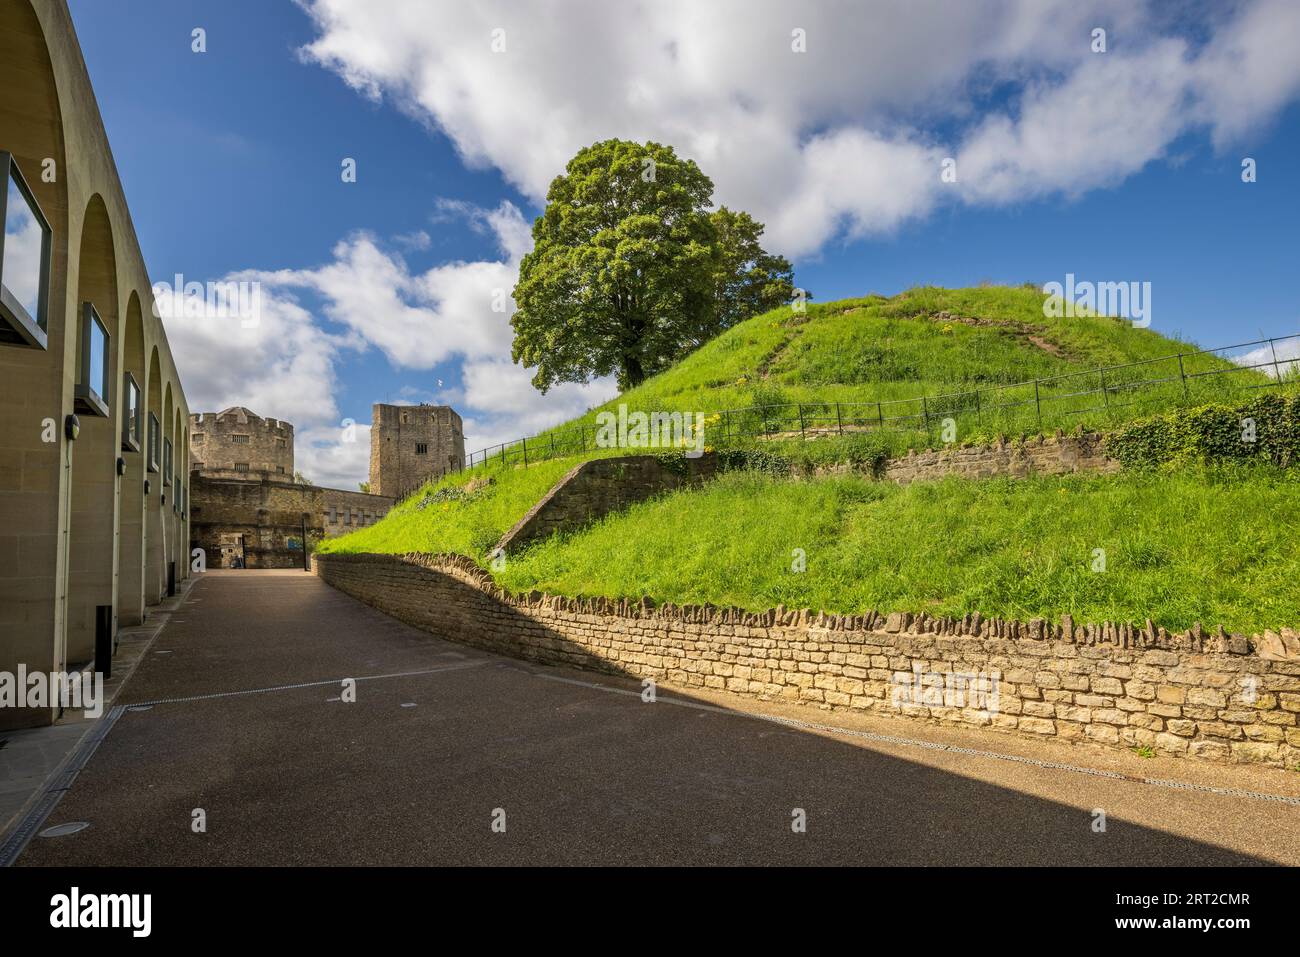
pixel 1197 543
pixel 1208 545
pixel 864 364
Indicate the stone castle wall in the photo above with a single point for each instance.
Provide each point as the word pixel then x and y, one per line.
pixel 411 444
pixel 261 521
pixel 221 441
pixel 1209 696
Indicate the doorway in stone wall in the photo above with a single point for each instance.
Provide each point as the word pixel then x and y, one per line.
pixel 233 551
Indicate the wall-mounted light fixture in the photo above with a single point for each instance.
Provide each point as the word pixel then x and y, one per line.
pixel 71 427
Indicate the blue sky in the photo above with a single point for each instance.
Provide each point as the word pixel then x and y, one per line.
pixel 231 164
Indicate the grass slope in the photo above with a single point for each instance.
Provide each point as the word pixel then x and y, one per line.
pixel 858 352
pixel 1215 546
pixel 441 518
pixel 1207 545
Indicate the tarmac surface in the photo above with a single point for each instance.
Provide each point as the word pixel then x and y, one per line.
pixel 245 719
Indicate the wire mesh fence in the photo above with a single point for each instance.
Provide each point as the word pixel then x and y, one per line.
pixel 1126 390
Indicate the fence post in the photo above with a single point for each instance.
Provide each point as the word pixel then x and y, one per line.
pixel 1038 405
pixel 1277 374
pixel 1182 374
pixel 839 422
pixel 525 441
pixel 979 417
pixel 726 426
pixel 880 414
pixel 925 412
pixel 801 435
pixel 1105 396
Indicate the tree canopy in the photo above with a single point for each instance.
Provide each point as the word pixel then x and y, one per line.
pixel 630 269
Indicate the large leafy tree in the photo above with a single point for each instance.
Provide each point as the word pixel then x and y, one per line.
pixel 747 280
pixel 629 268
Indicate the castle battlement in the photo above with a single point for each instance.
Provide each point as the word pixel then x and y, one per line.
pixel 239 440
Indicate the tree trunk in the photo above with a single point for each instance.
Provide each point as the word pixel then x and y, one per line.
pixel 633 373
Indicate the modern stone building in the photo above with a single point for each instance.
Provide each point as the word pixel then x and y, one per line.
pixel 248 510
pixel 411 444
pixel 93 422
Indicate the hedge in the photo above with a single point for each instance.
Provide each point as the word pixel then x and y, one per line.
pixel 1263 430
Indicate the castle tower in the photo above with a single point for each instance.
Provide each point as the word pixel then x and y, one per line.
pixel 411 444
pixel 238 441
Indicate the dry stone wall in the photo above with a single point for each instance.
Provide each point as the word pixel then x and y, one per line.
pixel 1042 455
pixel 1197 694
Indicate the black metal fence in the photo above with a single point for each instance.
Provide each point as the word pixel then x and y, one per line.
pixel 1201 375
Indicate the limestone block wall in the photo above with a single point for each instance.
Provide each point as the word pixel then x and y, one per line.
pixel 261 520
pixel 1196 694
pixel 411 444
pixel 597 487
pixel 1041 455
pixel 219 441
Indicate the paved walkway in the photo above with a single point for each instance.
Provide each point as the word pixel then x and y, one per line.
pixel 241 715
pixel 28 758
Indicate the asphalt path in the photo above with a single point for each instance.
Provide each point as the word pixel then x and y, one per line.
pixel 450 755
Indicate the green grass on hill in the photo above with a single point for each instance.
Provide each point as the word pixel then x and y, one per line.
pixel 440 518
pixel 1209 545
pixel 859 352
pixel 1214 545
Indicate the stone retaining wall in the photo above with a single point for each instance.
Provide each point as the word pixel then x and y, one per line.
pixel 1051 455
pixel 595 488
pixel 1210 696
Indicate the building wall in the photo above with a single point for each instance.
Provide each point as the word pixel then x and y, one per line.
pixel 239 440
pixel 1213 697
pixel 262 520
pixel 411 444
pixel 74 533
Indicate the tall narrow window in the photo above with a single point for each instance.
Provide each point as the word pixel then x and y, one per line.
pixel 92 395
pixel 131 414
pixel 155 433
pixel 167 462
pixel 25 247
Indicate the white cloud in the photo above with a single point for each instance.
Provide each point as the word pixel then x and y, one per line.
pixel 845 139
pixel 285 364
pixel 332 456
pixel 278 361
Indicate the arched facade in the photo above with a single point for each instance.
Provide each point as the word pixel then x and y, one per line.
pixel 78 531
pixel 132 544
